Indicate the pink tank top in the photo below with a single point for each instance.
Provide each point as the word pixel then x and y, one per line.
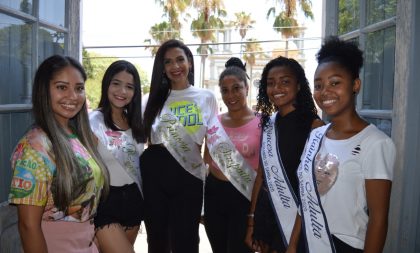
pixel 246 139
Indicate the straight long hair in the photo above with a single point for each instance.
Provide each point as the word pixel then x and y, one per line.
pixel 161 85
pixel 132 111
pixel 67 183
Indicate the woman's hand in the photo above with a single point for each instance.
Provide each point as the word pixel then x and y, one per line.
pixel 249 241
pixel 248 236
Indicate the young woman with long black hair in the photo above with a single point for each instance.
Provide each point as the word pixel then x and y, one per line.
pixel 176 119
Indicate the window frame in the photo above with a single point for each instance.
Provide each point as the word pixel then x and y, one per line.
pixel 361 35
pixel 36 23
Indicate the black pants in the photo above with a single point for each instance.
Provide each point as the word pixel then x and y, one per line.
pixel 266 228
pixel 225 216
pixel 173 199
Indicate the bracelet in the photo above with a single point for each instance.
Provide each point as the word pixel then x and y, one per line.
pixel 251 215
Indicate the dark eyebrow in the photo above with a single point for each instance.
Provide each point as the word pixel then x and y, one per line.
pixel 335 75
pixel 118 80
pixel 63 82
pixel 281 77
pixel 332 76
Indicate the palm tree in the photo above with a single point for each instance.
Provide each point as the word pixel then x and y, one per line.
pixel 242 23
pixel 252 50
pixel 173 9
pixel 160 33
pixel 205 26
pixel 285 22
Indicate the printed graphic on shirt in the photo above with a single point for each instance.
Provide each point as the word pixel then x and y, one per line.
pixel 115 138
pixel 123 150
pixel 241 141
pixel 356 150
pixel 27 173
pixel 189 114
pixel 23 182
pixel 33 176
pixel 326 172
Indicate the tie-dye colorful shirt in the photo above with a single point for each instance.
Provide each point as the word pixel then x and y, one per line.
pixel 33 171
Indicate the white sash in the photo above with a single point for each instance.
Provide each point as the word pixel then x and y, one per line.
pixel 229 160
pixel 314 222
pixel 180 144
pixel 126 160
pixel 281 194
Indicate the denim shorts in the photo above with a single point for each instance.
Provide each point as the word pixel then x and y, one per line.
pixel 123 205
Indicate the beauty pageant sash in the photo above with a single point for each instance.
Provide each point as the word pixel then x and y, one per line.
pixel 180 144
pixel 229 160
pixel 315 224
pixel 281 194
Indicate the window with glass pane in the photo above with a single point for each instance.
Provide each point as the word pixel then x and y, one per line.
pixel 378 10
pixel 385 125
pixel 378 82
pixel 15 60
pixel 50 42
pixel 22 5
pixel 348 16
pixel 53 11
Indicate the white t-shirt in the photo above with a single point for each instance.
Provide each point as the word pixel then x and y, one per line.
pixel 194 108
pixel 369 154
pixel 119 150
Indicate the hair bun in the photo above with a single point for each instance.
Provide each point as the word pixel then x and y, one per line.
pixel 236 62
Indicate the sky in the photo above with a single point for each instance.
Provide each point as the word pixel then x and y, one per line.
pixel 127 22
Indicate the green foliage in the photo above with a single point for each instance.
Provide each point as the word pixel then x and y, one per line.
pixel 349 13
pixel 160 33
pixel 252 51
pixel 96 65
pixel 167 29
pixel 242 23
pixel 348 17
pixel 287 16
pixel 87 64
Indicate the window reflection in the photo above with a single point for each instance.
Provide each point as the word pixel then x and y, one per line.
pixel 348 16
pixel 384 125
pixel 15 60
pixel 50 42
pixel 22 5
pixel 378 10
pixel 378 85
pixel 53 11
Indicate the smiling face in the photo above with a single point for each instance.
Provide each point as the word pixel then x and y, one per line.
pixel 234 93
pixel 177 66
pixel 282 88
pixel 67 92
pixel 335 89
pixel 121 90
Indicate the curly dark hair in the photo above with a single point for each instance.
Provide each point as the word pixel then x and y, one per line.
pixel 304 103
pixel 345 53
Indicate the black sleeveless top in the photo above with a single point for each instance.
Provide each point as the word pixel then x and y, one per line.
pixel 292 132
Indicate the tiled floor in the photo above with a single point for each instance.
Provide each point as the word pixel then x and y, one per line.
pixel 141 243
